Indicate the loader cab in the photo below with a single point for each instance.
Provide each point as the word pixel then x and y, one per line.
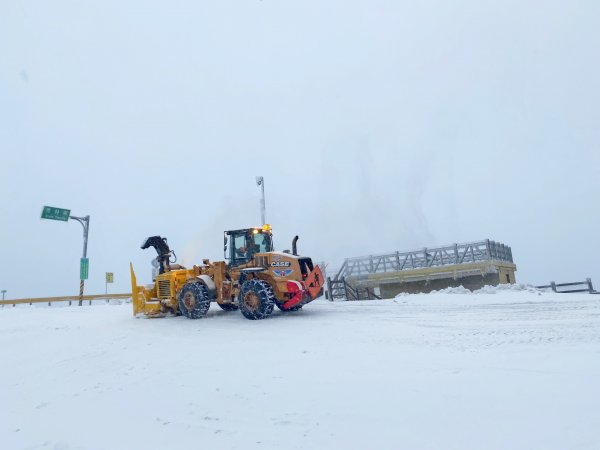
pixel 242 245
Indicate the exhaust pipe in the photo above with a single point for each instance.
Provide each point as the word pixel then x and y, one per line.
pixel 294 250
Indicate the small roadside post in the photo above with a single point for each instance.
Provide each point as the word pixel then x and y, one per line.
pixel 3 293
pixel 108 279
pixel 63 215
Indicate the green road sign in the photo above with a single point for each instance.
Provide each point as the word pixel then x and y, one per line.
pixel 52 213
pixel 84 267
pixel 109 277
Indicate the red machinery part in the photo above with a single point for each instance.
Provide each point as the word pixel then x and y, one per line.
pixel 297 289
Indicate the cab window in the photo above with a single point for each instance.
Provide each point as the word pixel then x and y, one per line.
pixel 244 245
pixel 263 242
pixel 239 249
pixel 239 243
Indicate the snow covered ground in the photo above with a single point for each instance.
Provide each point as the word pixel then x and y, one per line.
pixel 509 369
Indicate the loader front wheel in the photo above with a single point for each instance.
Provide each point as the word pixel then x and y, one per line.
pixel 193 300
pixel 256 299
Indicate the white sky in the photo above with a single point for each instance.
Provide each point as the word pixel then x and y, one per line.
pixel 378 126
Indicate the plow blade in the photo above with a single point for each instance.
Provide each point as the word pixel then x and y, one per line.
pixel 140 297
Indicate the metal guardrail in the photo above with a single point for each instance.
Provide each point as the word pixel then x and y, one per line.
pixel 340 289
pixel 69 298
pixel 586 286
pixel 472 252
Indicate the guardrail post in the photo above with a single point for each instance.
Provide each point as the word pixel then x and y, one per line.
pixel 589 283
pixel 553 286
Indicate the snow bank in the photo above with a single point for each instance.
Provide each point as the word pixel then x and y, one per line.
pixel 501 288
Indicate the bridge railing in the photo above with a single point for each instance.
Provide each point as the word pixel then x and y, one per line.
pixel 486 250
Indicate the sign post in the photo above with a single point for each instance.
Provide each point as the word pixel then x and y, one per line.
pixel 84 268
pixel 63 215
pixel 109 279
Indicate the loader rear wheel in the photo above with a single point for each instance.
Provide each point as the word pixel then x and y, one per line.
pixel 256 299
pixel 193 300
pixel 228 306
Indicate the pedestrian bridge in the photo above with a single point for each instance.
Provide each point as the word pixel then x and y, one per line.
pixel 472 265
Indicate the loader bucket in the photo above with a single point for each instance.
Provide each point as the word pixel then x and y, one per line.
pixel 314 283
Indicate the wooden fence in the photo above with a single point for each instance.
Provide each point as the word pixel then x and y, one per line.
pixel 581 286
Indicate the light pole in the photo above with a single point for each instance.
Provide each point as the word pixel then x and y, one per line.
pixel 260 181
pixel 85 223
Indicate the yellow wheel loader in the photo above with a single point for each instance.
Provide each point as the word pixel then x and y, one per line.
pixel 253 279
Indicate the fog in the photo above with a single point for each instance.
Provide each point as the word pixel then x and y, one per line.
pixel 378 126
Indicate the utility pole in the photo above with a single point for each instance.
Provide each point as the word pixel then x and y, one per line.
pixel 260 181
pixel 84 265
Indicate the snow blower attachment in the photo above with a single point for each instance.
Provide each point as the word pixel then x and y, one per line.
pixel 162 248
pixel 253 279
